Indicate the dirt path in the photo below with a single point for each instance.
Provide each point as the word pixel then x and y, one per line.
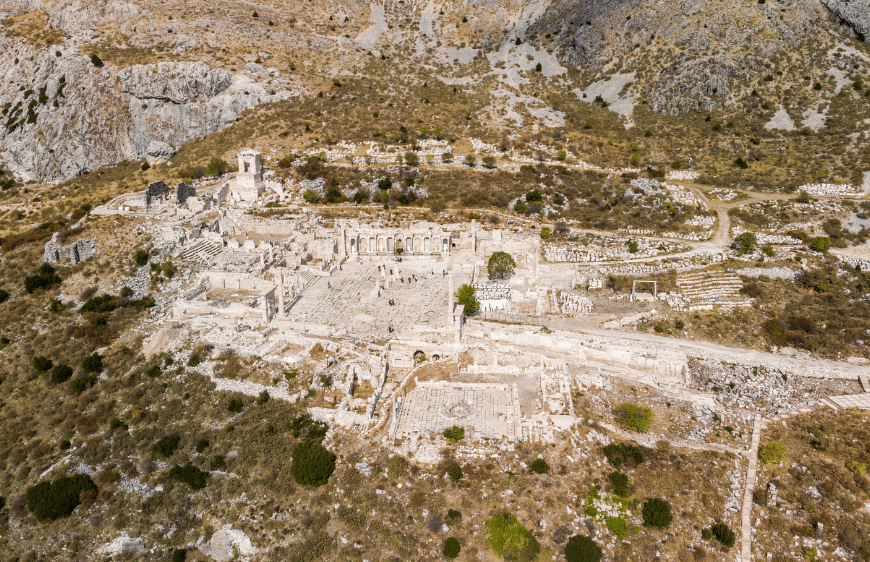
pixel 748 489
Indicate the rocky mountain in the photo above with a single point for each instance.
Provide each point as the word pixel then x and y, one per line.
pixel 178 71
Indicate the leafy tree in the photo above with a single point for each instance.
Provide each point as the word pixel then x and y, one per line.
pixel 41 363
pixel 53 500
pixel 333 195
pixel 145 166
pixel 561 155
pixel 190 475
pixel 581 548
pixel 634 417
pixel 489 162
pixel 723 534
pixel 821 244
pixel 745 243
pixel 312 464
pixel 538 67
pixel 521 207
pixel 411 159
pixel 93 363
pixel 534 196
pixel 44 279
pixel 501 265
pixel 741 163
pixel 166 446
pixel 451 548
pixel 632 247
pixel 509 539
pixel 454 434
pixel 656 513
pixel 61 373
pixel 465 296
pixel 539 466
pixel 470 160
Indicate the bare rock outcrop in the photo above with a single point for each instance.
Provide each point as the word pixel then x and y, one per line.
pixel 856 13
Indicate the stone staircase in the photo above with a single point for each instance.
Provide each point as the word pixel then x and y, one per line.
pixel 706 289
pixel 202 251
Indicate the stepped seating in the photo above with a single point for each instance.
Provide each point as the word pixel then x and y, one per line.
pixel 707 289
pixel 202 251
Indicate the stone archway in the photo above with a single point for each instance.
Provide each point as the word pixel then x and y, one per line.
pixel 363 245
pixel 418 245
pixel 382 245
pixel 419 357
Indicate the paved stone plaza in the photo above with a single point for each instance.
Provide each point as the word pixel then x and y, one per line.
pixel 489 411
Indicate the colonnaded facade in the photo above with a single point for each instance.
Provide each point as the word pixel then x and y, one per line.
pixel 421 238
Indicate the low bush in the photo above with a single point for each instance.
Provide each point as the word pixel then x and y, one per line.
pixel 581 548
pixel 618 526
pixel 179 555
pixel 539 466
pixel 656 513
pixel 141 257
pixel 857 467
pixel 194 360
pixel 102 303
pixel 202 445
pixel 117 424
pixel 263 397
pixel 41 363
pixel 4 295
pixel 81 384
pixel 621 453
pixel 620 484
pixel 723 534
pixel 218 462
pixel 772 452
pixel 311 430
pixel 154 371
pixel 453 516
pixel 454 434
pixel 312 464
pixel 509 539
pixel 93 363
pixel 167 446
pixel 633 417
pixel 235 406
pixel 451 548
pixel 190 475
pixel 45 278
pixel 454 472
pixel 820 244
pixel 53 500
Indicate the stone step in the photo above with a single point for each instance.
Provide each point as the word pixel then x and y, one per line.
pixel 865 382
pixel 829 404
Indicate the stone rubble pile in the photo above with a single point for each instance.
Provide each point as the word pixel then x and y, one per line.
pixel 682 175
pixel 570 303
pixel 607 248
pixel 764 238
pixel 829 189
pixel 771 272
pixel 723 194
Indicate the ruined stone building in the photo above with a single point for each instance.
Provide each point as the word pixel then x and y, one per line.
pixel 419 239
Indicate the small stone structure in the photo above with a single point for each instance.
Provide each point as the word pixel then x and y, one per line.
pixel 421 238
pixel 248 185
pixel 182 192
pixel 154 191
pixel 77 251
pixel 570 303
pixel 492 297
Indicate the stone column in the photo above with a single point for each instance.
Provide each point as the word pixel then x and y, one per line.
pixel 281 293
pixel 342 252
pixel 474 236
pixel 449 298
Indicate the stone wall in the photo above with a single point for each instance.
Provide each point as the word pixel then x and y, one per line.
pixel 79 250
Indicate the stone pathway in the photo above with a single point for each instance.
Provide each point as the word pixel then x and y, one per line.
pixel 746 525
pixel 860 401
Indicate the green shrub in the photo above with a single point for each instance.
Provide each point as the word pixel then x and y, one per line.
pixel 546 233
pixel 820 244
pixel 216 167
pixel 451 548
pixel 772 452
pixel 145 166
pixel 454 434
pixel 581 548
pixel 723 534
pixel 235 406
pixel 4 295
pixel 656 513
pixel 81 384
pixel 621 453
pixel 745 243
pixel 540 466
pixel 706 534
pixel 263 397
pixel 117 424
pixel 620 484
pixel 140 257
pixel 41 363
pixel 93 363
pixel 857 467
pixel 465 296
pixel 96 61
pixel 633 417
pixel 44 278
pixel 194 360
pixel 65 445
pixel 218 462
pixel 312 430
pixel 741 163
pixel 102 304
pixel 453 516
pixel 167 446
pixel 509 539
pixel 454 472
pixel 618 526
pixel 53 500
pixel 190 475
pixel 312 464
pixel 154 372
pixel 202 445
pixel 179 555
pixel 311 196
